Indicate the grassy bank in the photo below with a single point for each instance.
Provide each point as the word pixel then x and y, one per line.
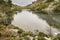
pixel 12 32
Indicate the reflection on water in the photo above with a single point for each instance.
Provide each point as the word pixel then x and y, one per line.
pixel 31 22
pixel 52 19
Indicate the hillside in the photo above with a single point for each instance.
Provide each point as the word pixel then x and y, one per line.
pixel 45 5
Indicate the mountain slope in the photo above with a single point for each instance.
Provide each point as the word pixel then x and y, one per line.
pixel 45 5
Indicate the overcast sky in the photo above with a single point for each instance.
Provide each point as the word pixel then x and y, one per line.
pixel 22 2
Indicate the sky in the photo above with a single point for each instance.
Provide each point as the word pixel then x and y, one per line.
pixel 22 2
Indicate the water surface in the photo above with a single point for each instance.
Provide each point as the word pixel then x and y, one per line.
pixel 29 21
